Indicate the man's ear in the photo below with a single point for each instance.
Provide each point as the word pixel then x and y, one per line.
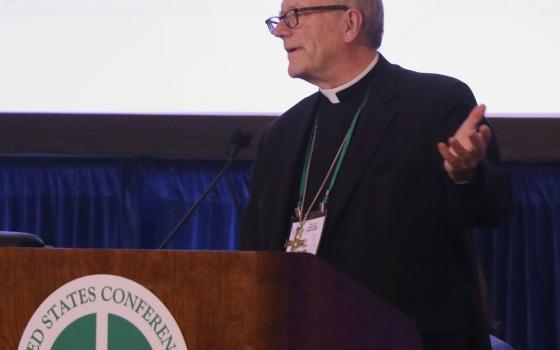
pixel 353 25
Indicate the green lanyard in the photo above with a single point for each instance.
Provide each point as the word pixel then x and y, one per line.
pixel 336 163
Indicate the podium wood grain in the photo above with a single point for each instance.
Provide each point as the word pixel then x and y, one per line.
pixel 221 300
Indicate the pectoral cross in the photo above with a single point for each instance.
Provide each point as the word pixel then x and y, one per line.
pixel 297 242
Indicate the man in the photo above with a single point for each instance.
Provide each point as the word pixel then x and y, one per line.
pixel 381 171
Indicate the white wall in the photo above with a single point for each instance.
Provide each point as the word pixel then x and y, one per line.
pixel 176 56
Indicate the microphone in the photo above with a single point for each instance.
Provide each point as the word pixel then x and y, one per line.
pixel 238 141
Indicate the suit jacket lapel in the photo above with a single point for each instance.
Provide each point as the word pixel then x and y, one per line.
pixel 287 167
pixel 372 125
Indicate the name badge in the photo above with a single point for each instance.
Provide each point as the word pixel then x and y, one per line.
pixel 306 238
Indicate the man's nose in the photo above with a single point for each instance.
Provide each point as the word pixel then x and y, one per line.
pixel 281 30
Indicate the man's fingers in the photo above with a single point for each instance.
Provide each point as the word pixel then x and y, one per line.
pixel 467 147
pixel 453 165
pixel 486 133
pixel 475 117
pixel 479 146
pixel 457 148
pixel 444 151
pixel 479 142
pixel 448 156
pixel 466 159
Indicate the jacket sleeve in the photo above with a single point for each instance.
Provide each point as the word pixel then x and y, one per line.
pixel 485 200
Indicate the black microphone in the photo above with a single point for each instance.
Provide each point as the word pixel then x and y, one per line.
pixel 239 140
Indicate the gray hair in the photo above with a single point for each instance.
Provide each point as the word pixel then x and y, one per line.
pixel 372 11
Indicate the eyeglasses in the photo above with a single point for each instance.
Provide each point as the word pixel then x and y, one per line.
pixel 291 17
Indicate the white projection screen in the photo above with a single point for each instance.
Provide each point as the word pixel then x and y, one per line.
pixel 217 57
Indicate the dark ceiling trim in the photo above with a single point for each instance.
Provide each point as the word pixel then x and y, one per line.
pixel 207 137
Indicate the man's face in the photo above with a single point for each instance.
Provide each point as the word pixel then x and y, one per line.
pixel 314 45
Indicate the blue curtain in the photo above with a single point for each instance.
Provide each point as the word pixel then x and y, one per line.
pixel 120 203
pixel 134 203
pixel 522 260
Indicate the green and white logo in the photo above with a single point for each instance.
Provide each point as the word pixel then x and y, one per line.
pixel 102 312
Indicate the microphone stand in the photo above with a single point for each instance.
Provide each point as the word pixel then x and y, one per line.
pixel 239 141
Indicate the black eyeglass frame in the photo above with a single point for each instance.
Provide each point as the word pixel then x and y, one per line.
pixel 272 22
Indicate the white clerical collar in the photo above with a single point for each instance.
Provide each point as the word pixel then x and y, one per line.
pixel 331 93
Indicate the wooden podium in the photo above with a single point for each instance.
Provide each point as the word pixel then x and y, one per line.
pixel 221 300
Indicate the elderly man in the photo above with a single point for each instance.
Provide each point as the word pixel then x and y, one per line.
pixel 379 173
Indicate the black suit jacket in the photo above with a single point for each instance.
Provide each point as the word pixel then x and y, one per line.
pixel 395 223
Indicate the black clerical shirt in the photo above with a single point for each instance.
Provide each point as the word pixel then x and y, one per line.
pixel 334 121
